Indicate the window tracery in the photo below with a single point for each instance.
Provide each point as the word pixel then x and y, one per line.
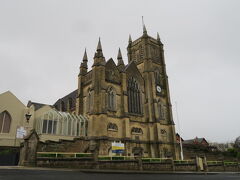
pixel 112 126
pixel 134 97
pixel 136 130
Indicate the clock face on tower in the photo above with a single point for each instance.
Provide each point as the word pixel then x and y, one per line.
pixel 159 89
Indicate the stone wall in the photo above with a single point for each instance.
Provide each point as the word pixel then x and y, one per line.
pixel 185 167
pixel 232 168
pixel 79 163
pixel 90 163
pixel 220 168
pixel 119 165
pixel 86 160
pixel 155 166
pixel 215 168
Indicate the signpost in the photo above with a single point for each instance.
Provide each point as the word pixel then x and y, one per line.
pixel 117 147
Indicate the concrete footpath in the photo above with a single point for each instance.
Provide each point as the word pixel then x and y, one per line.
pixel 104 171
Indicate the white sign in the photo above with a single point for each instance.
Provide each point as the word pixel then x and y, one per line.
pixel 21 132
pixel 117 147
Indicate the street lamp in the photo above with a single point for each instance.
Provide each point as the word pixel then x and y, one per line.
pixel 28 116
pixel 180 140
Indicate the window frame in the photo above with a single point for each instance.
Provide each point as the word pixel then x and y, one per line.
pixel 4 113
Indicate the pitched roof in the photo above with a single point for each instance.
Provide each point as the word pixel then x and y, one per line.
pixel 65 99
pixel 198 140
pixel 37 105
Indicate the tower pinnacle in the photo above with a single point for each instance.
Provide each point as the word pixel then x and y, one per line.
pixel 119 54
pixel 130 39
pixel 85 58
pixel 98 57
pixel 158 39
pixel 99 46
pixel 120 63
pixel 144 27
pixel 99 49
pixel 84 65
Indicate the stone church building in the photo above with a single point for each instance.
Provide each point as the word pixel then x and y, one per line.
pixel 127 103
pixel 114 103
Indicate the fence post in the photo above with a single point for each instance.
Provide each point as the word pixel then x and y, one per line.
pixel 140 165
pixel 205 164
pixel 196 163
pixel 173 165
pixel 238 165
pixel 224 166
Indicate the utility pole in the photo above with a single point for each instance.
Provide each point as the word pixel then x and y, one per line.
pixel 180 140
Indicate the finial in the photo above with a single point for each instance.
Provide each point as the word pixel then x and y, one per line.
pixel 144 27
pixel 99 52
pixel 119 54
pixel 158 37
pixel 84 64
pixel 130 39
pixel 119 57
pixel 85 58
pixel 99 46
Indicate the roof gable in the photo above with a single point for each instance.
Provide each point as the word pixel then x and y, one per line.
pixel 112 73
pixel 9 94
pixel 111 64
pixel 132 71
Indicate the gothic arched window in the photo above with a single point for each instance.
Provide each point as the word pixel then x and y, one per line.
pixel 89 100
pixel 62 106
pixel 5 122
pixel 111 96
pixel 157 77
pixel 70 103
pixel 134 96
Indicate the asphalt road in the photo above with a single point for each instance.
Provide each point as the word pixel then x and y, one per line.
pixel 20 174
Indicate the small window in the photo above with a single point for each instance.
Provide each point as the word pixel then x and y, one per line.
pixel 163 132
pixel 136 130
pixel 89 100
pixel 63 106
pixel 112 127
pixel 70 103
pixel 111 99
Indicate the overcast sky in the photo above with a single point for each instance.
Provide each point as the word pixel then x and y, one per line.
pixel 42 44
